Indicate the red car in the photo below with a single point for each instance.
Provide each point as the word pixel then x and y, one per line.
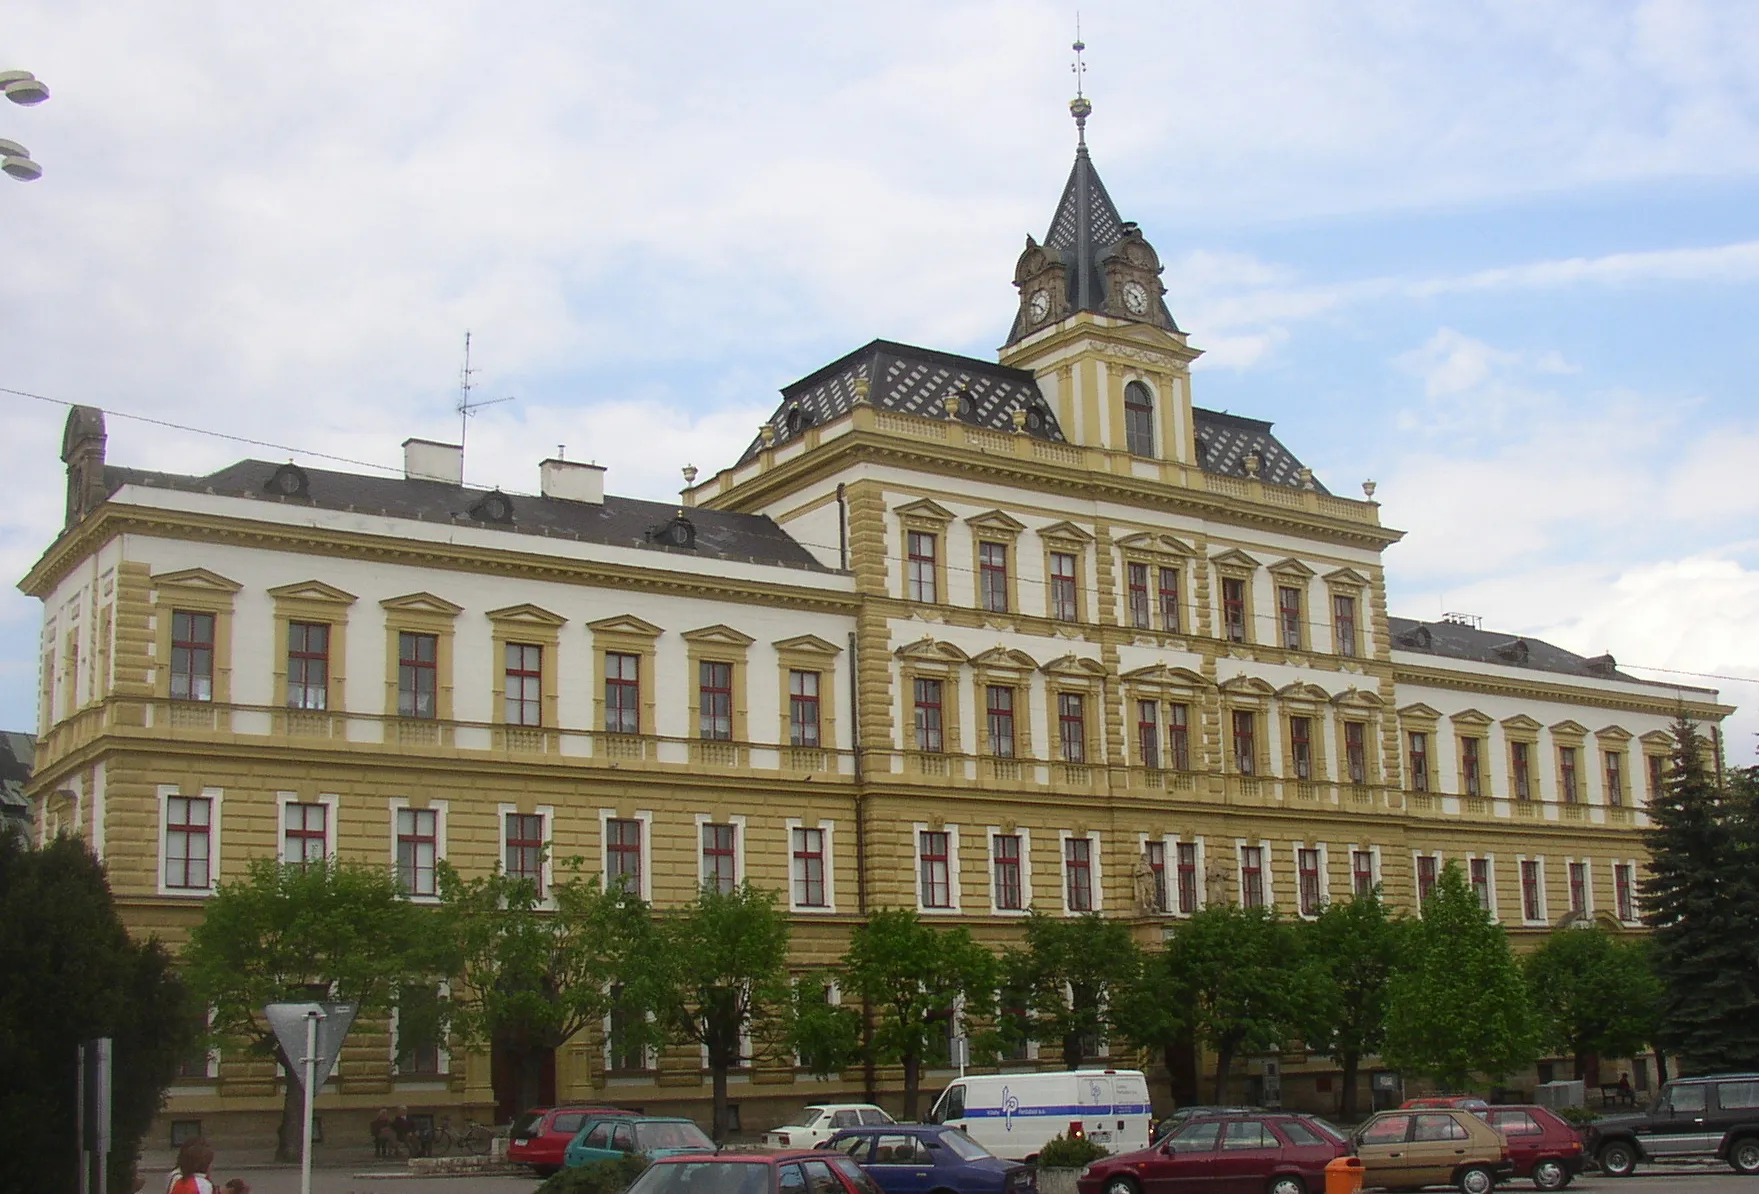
pixel 794 1171
pixel 1542 1144
pixel 541 1135
pixel 1261 1153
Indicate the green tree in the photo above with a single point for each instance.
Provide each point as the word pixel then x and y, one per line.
pixel 1075 974
pixel 527 973
pixel 1240 975
pixel 1353 950
pixel 1459 1005
pixel 1594 993
pixel 825 1036
pixel 914 974
pixel 1702 899
pixel 73 973
pixel 1148 1011
pixel 720 974
pixel 318 930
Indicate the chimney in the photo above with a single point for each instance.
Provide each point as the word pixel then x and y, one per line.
pixel 572 481
pixel 82 451
pixel 425 460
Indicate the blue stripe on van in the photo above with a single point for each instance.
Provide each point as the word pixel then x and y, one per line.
pixel 1066 1110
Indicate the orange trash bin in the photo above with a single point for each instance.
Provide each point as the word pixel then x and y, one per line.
pixel 1343 1175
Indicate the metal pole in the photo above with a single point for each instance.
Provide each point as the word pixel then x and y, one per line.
pixel 79 1123
pixel 311 1096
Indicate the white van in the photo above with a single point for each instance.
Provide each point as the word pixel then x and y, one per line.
pixel 1015 1115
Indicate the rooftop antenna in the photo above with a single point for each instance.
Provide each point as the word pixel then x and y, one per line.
pixel 466 406
pixel 1080 106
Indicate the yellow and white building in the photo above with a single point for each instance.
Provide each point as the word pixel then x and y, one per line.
pixel 963 636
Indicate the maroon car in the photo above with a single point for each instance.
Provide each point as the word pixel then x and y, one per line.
pixel 1542 1144
pixel 541 1135
pixel 1260 1153
pixel 784 1171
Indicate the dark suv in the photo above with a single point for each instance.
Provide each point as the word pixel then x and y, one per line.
pixel 1712 1116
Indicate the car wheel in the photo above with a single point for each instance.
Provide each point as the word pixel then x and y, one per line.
pixel 1287 1184
pixel 1121 1185
pixel 1617 1159
pixel 1550 1175
pixel 1744 1155
pixel 1476 1179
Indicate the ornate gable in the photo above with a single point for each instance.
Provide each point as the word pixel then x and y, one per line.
pixel 1234 558
pixel 314 592
pixel 1162 544
pixel 1065 530
pixel 526 614
pixel 929 649
pixel 422 603
pixel 719 635
pixel 926 509
pixel 996 522
pixel 1005 659
pixel 197 580
pixel 1073 665
pixel 807 644
pixel 625 624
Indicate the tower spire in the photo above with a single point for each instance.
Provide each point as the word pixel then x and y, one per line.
pixel 1079 107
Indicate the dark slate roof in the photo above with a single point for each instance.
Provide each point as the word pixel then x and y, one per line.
pixel 1224 441
pixel 913 381
pixel 1085 230
pixel 1455 640
pixel 18 755
pixel 619 522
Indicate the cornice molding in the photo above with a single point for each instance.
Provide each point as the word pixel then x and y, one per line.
pixel 1538 690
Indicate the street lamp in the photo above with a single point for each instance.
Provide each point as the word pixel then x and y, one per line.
pixel 21 87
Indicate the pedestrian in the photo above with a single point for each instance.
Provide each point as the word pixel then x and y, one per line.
pixel 237 1186
pixel 190 1176
pixel 404 1129
pixel 381 1130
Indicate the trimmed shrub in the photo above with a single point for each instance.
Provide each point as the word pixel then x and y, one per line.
pixel 598 1177
pixel 1066 1153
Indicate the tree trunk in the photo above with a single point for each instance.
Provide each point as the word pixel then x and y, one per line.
pixel 720 1113
pixel 912 1085
pixel 1224 1061
pixel 1660 1068
pixel 1182 1062
pixel 1352 1063
pixel 288 1138
pixel 1072 1057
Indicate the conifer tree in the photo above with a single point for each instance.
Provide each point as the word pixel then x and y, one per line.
pixel 1702 899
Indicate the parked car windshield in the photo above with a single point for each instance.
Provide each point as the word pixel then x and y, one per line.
pixel 670 1135
pixel 525 1124
pixel 805 1119
pixel 964 1147
pixel 705 1177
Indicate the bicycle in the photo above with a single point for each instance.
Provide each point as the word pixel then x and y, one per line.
pixel 476 1138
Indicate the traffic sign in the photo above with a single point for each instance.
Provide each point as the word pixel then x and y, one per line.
pixel 289 1022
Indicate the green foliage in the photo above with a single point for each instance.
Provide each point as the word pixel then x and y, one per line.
pixel 73 973
pixel 719 970
pixel 1073 974
pixel 913 973
pixel 1063 1153
pixel 1353 948
pixel 303 931
pixel 1240 975
pixel 826 1037
pixel 1459 1006
pixel 597 1177
pixel 1702 899
pixel 1578 1117
pixel 1594 992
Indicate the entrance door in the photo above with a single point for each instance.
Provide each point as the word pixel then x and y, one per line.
pixel 522 1078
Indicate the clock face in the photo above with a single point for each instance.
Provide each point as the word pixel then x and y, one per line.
pixel 1135 298
pixel 1039 304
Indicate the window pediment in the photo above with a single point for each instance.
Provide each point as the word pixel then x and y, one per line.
pixel 929 649
pixel 1613 734
pixel 1160 673
pixel 924 510
pixel 197 580
pixel 1658 738
pixel 1302 691
pixel 1346 578
pixel 1073 665
pixel 719 635
pixel 1359 698
pixel 1142 541
pixel 1068 532
pixel 1570 729
pixel 1005 658
pixel 1420 712
pixel 1234 558
pixel 1522 722
pixel 807 644
pixel 1248 686
pixel 526 614
pixel 1291 569
pixel 422 603
pixel 1471 717
pixel 627 624
pixel 313 592
pixel 996 522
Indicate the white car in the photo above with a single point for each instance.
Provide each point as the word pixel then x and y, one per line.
pixel 819 1122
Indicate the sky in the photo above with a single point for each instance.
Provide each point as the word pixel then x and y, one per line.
pixel 1502 258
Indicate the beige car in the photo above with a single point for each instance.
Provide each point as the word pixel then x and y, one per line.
pixel 1404 1150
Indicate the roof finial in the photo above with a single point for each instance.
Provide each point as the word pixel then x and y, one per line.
pixel 1079 107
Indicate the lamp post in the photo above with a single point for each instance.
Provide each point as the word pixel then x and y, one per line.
pixel 21 87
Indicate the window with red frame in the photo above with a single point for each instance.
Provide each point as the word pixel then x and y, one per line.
pixel 1288 605
pixel 1579 888
pixel 308 665
pixel 1566 766
pixel 1426 871
pixel 919 569
pixel 1615 778
pixel 1078 873
pixel 1156 855
pixel 1530 906
pixel 1169 600
pixel 1356 751
pixel 1301 746
pixel 1064 604
pixel 714 697
pixel 192 656
pixel 525 849
pixel 1072 727
pixel 622 693
pixel 720 859
pixel 417 674
pixel 1179 737
pixel 1005 851
pixel 992 576
pixel 1251 876
pixel 809 868
pixel 1469 766
pixel 999 713
pixel 803 709
pixel 1624 888
pixel 1419 752
pixel 1187 877
pixel 1234 609
pixel 1362 871
pixel 928 715
pixel 525 684
pixel 1148 732
pixel 1307 861
pixel 623 855
pixel 1657 775
pixel 1518 754
pixel 937 891
pixel 304 834
pixel 1343 613
pixel 1481 881
pixel 188 849
pixel 418 850
pixel 1245 742
pixel 1140 611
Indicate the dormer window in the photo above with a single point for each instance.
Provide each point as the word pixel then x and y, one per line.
pixel 1138 420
